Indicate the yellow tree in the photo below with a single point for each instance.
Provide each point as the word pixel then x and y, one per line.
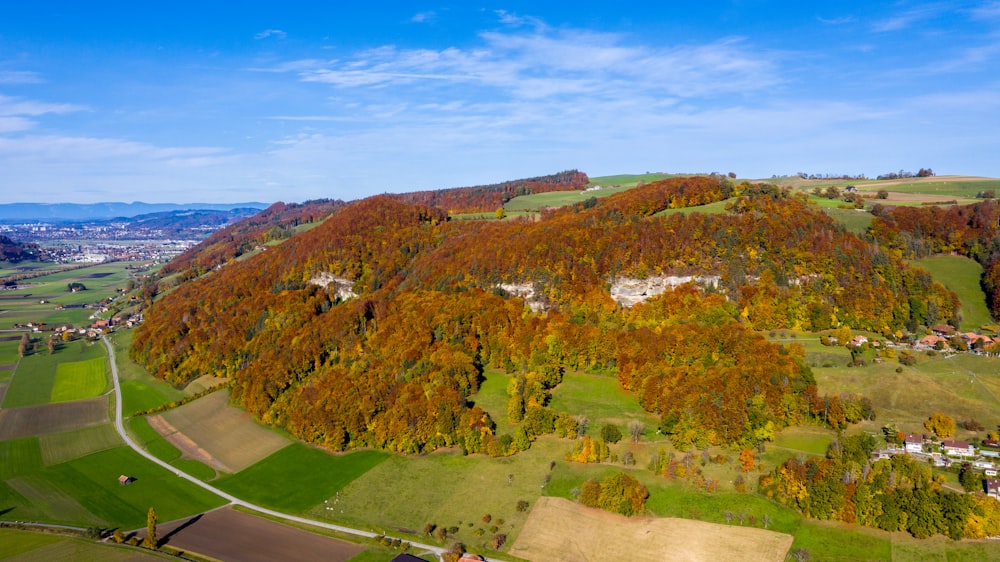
pixel 941 425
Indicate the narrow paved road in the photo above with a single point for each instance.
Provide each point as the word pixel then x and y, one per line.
pixel 120 426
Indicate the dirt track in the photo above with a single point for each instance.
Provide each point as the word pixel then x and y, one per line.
pixel 225 534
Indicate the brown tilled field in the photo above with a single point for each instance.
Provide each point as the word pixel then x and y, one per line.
pixel 558 529
pixel 225 534
pixel 224 432
pixel 52 418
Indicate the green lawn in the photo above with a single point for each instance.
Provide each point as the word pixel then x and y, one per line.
pixel 299 477
pixel 709 209
pixel 962 275
pixel 492 397
pixel 34 380
pixel 77 380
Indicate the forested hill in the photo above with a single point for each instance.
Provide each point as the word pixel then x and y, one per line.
pixel 491 197
pixel 12 251
pixel 395 366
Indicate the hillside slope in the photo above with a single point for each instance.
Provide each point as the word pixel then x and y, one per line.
pixel 394 366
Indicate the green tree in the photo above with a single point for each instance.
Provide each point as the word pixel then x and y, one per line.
pixel 151 542
pixel 611 433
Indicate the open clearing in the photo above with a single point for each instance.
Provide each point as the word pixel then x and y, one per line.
pixel 52 418
pixel 225 432
pixel 225 534
pixel 34 381
pixel 962 275
pixel 77 380
pixel 558 529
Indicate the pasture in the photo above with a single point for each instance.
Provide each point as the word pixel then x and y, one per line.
pixel 140 391
pixel 708 209
pixel 85 491
pixel 30 546
pixel 558 529
pixel 69 445
pixel 225 432
pixel 152 441
pixel 34 381
pixel 298 477
pixel 77 380
pixel 962 386
pixel 602 399
pixel 962 275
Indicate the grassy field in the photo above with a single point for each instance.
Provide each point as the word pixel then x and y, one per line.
pixel 226 432
pixel 153 441
pixel 299 477
pixel 709 209
pixel 140 391
pixel 85 491
pixel 602 400
pixel 962 275
pixel 963 386
pixel 34 380
pixel 29 546
pixel 61 447
pixel 77 380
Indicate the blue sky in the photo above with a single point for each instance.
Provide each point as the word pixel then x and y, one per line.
pixel 179 102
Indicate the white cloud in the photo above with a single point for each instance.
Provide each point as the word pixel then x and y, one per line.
pixel 548 64
pixel 19 77
pixel 424 17
pixel 842 20
pixel 276 33
pixel 986 11
pixel 907 18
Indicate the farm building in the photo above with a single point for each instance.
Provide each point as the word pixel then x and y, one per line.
pixel 125 480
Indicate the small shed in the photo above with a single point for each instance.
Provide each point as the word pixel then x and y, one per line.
pixel 125 480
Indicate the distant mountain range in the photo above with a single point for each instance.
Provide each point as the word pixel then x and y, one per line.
pixel 59 212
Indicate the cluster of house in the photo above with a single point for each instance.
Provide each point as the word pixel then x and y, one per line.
pixel 944 453
pixel 943 334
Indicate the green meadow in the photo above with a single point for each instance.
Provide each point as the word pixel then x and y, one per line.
pixel 140 391
pixel 77 380
pixel 35 380
pixel 299 477
pixel 962 275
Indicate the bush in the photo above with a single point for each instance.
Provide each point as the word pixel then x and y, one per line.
pixel 907 359
pixel 522 506
pixel 610 433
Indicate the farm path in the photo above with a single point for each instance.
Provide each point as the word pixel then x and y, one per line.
pixel 120 427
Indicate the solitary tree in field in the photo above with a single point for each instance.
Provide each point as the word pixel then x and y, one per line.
pixel 151 542
pixel 52 346
pixel 501 213
pixel 22 348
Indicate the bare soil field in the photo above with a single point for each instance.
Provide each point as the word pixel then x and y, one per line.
pixel 52 418
pixel 225 534
pixel 903 197
pixel 559 529
pixel 188 448
pixel 225 432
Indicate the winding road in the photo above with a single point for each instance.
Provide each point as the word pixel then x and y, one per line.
pixel 120 426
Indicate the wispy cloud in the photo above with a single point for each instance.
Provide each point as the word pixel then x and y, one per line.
pixel 907 18
pixel 276 33
pixel 986 11
pixel 842 20
pixel 19 77
pixel 544 64
pixel 424 17
pixel 514 20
